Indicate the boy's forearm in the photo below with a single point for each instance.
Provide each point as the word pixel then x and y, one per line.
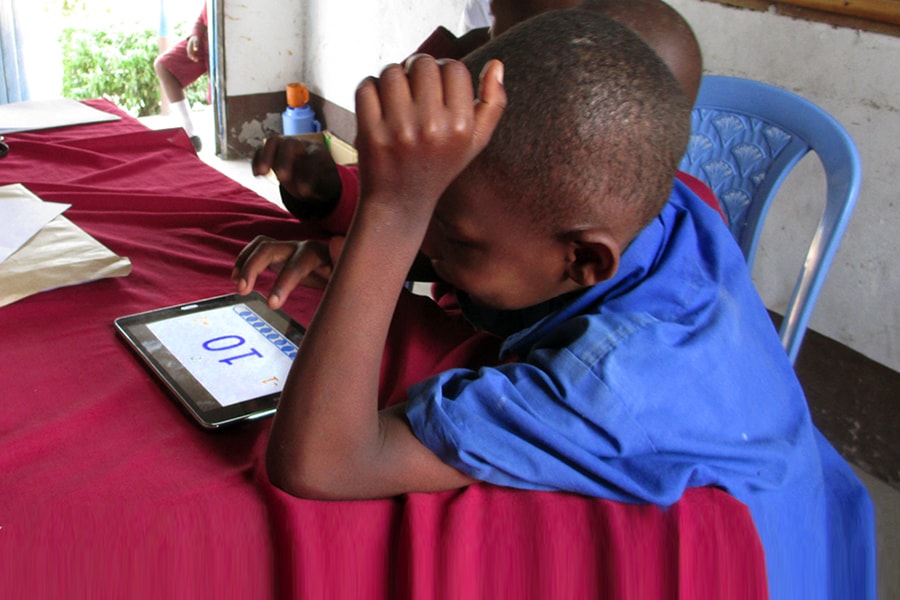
pixel 327 437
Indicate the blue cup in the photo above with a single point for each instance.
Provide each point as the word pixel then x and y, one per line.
pixel 300 119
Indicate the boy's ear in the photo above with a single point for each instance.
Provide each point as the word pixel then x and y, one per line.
pixel 593 257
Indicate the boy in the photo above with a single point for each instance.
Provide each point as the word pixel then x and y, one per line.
pixel 638 360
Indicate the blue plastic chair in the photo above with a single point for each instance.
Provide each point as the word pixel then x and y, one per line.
pixel 746 137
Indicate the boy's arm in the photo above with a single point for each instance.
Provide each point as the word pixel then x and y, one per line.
pixel 417 131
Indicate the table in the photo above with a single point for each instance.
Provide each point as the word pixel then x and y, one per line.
pixel 108 490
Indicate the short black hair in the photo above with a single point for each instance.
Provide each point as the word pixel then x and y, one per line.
pixel 595 125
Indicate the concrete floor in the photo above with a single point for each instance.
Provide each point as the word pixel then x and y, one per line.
pixel 885 495
pixel 887 529
pixel 238 169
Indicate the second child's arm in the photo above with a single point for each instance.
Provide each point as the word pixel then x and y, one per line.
pixel 417 130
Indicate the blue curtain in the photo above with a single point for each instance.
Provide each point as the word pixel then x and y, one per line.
pixel 13 86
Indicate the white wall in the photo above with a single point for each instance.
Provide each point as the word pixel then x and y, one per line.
pixel 329 44
pixel 348 40
pixel 333 44
pixel 263 42
pixel 854 76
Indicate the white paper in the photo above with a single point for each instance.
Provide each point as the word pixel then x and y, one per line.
pixel 44 114
pixel 60 254
pixel 21 218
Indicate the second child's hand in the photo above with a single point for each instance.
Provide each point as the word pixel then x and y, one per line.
pixel 193 48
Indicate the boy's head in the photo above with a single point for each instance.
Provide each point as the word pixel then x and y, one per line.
pixel 663 29
pixel 582 159
pixel 658 24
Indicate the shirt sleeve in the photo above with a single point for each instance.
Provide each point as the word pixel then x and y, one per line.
pixel 201 25
pixel 548 423
pixel 482 424
pixel 476 14
pixel 327 218
pixel 628 424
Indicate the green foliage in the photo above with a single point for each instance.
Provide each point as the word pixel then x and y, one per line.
pixel 117 66
pixel 70 7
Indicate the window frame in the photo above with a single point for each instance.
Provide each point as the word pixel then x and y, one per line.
pixel 881 16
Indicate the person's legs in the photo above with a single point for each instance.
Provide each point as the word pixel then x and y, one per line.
pixel 175 72
pixel 170 85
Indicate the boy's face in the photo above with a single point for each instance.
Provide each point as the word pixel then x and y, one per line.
pixel 493 255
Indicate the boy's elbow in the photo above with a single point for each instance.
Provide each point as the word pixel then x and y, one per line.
pixel 299 479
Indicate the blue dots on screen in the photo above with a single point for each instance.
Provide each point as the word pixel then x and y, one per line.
pixel 283 344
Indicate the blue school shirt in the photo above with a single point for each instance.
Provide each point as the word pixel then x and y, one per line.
pixel 669 375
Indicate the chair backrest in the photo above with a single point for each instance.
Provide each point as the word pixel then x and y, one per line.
pixel 746 137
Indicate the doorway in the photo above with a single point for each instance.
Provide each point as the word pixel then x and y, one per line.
pixel 105 48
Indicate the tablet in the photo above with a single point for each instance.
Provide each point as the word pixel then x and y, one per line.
pixel 225 359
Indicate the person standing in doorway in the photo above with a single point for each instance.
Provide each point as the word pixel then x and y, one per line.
pixel 179 67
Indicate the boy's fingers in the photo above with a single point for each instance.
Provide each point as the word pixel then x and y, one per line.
pixel 491 101
pixel 396 96
pixel 424 75
pixel 261 254
pixel 245 254
pixel 457 88
pixel 308 262
pixel 243 274
pixel 264 156
pixel 368 104
pixel 244 280
pixel 409 62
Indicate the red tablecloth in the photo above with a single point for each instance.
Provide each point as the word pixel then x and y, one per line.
pixel 108 490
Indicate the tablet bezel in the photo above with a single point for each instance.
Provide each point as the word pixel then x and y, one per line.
pixel 191 395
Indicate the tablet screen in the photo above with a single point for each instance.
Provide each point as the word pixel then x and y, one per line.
pixel 226 358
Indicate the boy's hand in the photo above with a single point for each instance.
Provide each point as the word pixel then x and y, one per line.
pixel 419 127
pixel 304 169
pixel 193 48
pixel 306 263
